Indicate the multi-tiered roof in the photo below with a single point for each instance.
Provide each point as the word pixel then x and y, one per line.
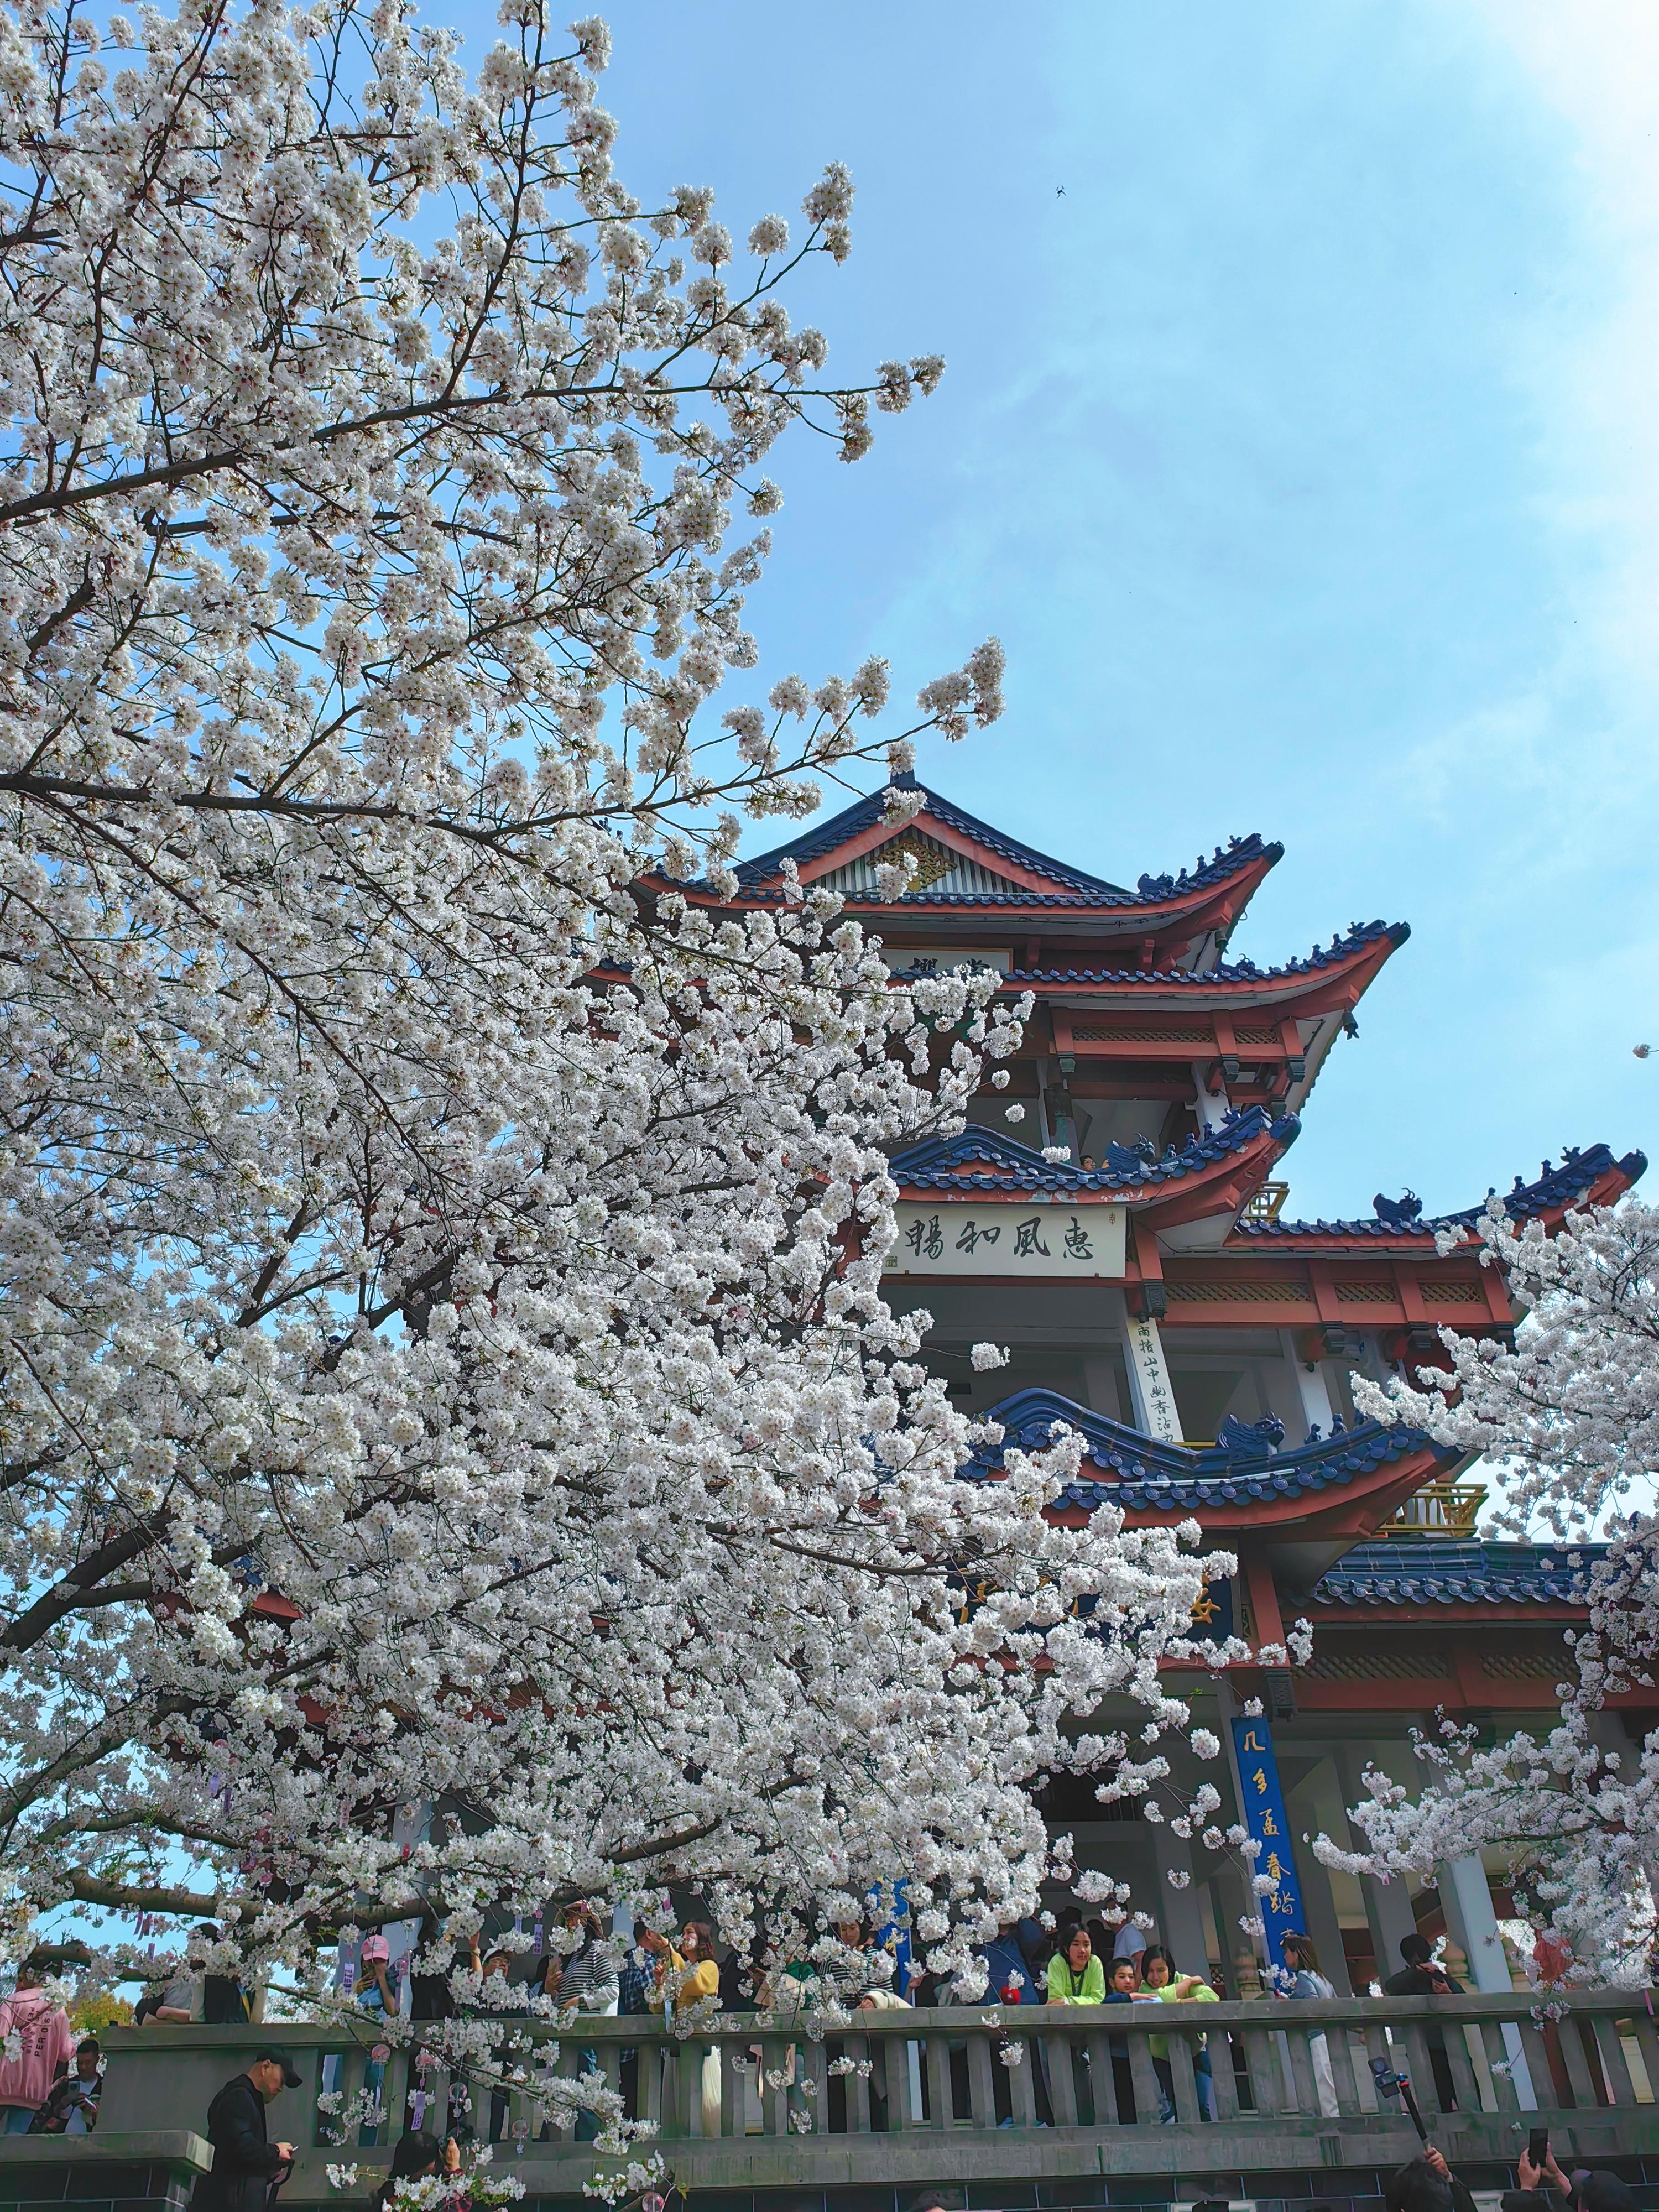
pixel 1177 1076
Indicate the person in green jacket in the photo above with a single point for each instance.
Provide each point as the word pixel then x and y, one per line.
pixel 1160 1979
pixel 1075 1975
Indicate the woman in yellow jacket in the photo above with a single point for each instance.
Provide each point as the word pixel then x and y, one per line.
pixel 680 1979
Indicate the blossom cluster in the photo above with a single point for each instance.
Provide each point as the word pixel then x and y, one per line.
pixel 1569 1421
pixel 457 1454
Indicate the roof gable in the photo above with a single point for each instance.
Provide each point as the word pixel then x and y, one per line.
pixel 962 860
pixel 936 870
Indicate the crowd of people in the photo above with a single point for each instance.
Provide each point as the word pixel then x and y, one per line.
pixel 51 2081
pixel 249 2169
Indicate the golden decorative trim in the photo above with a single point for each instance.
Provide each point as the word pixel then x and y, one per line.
pixel 1269 1202
pixel 927 861
pixel 1439 1508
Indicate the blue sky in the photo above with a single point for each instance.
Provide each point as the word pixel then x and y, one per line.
pixel 1299 453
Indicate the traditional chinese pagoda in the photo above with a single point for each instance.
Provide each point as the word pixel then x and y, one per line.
pixel 1153 1295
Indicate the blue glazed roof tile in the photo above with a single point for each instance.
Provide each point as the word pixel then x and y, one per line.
pixel 1561 1185
pixel 1072 886
pixel 1148 1474
pixel 981 1160
pixel 1229 971
pixel 1468 1570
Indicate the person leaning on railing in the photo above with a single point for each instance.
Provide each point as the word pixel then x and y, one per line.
pixel 71 2103
pixel 1076 1977
pixel 1422 1975
pixel 38 2034
pixel 1307 1982
pixel 1159 1979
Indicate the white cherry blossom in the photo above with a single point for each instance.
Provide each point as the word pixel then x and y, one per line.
pixel 454 1453
pixel 1570 1421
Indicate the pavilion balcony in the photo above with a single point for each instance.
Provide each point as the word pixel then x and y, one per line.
pixel 1439 1508
pixel 1011 2102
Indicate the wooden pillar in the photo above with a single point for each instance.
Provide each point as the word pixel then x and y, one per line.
pixel 1317 1407
pixel 1320 1794
pixel 1178 1912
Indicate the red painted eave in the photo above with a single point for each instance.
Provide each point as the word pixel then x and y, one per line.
pixel 1220 1187
pixel 1337 988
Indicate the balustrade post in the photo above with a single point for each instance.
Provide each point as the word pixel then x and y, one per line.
pixel 981 2081
pixel 858 2049
pixel 1267 2087
pixel 1062 2084
pixel 1103 2082
pixel 1180 2062
pixel 1614 2072
pixel 1022 2081
pixel 936 2051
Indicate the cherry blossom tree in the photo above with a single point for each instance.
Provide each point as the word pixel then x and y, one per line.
pixel 454 1454
pixel 1569 1419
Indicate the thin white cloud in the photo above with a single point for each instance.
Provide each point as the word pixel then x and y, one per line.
pixel 1596 65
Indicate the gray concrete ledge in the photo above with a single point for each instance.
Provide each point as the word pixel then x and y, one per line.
pixel 165 2147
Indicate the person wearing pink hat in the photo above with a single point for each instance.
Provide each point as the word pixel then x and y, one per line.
pixel 377 1994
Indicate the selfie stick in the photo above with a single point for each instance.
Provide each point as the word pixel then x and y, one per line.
pixel 1390 2084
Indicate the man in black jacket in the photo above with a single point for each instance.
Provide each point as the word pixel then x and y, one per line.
pixel 1421 1975
pixel 247 2170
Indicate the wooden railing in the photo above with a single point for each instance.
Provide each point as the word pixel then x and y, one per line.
pixel 1439 1508
pixel 933 2094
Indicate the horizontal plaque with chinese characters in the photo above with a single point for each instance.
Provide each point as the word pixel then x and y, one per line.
pixel 959 1238
pixel 939 959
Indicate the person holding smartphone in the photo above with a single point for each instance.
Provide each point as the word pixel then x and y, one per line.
pixel 248 2168
pixel 1546 2188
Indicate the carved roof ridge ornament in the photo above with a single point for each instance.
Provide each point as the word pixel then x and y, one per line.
pixel 1581 1168
pixel 926 861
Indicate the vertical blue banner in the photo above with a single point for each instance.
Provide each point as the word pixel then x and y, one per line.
pixel 1263 1814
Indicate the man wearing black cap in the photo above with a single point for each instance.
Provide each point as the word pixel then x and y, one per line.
pixel 247 2170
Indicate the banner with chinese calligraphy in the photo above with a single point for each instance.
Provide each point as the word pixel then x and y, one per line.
pixel 1263 1815
pixel 1149 1383
pixel 1040 1239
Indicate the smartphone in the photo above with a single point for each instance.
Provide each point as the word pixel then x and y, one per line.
pixel 1537 2145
